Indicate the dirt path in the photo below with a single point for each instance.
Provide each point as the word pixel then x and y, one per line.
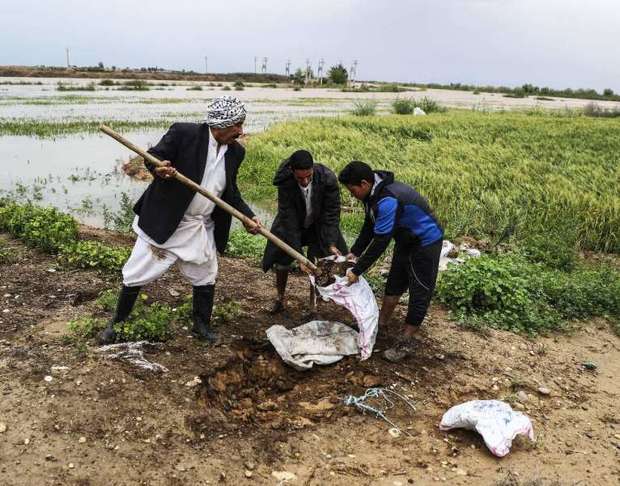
pixel 101 422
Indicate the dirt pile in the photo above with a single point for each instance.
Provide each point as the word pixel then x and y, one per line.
pixel 328 269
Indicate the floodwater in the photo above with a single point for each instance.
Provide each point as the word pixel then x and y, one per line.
pixel 80 173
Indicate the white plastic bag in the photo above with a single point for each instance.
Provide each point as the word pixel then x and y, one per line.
pixel 494 420
pixel 360 301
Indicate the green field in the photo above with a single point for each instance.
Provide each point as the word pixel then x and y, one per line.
pixel 486 174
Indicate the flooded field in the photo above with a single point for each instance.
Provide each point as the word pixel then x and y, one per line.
pixel 80 172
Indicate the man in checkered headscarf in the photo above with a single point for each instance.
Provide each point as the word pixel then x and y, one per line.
pixel 175 225
pixel 225 111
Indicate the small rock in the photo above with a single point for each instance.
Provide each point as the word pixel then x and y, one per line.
pixel 371 381
pixel 48 378
pixel 71 466
pixel 283 476
pixel 194 382
pixel 522 396
pixel 248 474
pixel 321 406
pixel 3 427
pixel 440 357
pixel 250 466
pixel 81 440
pixel 544 390
pixel 519 406
pixel 589 365
pixel 394 432
pixel 268 406
pixel 173 293
pixel 26 441
pixel 461 472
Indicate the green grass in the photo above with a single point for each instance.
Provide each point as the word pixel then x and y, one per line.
pixel 364 108
pixel 484 173
pixel 49 129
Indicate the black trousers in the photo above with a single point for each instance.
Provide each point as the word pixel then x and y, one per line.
pixel 309 239
pixel 414 267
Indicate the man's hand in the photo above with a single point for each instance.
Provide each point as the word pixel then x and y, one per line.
pixel 351 258
pixel 253 227
pixel 334 251
pixel 351 277
pixel 305 269
pixel 166 172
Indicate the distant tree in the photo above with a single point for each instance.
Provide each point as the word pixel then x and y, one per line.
pixel 299 77
pixel 608 92
pixel 100 65
pixel 338 74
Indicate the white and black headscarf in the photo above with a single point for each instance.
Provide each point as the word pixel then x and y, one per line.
pixel 225 111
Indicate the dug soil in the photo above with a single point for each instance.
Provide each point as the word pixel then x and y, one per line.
pixel 235 414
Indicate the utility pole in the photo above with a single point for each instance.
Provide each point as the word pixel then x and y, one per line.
pixel 307 71
pixel 68 63
pixel 287 69
pixel 353 71
pixel 206 64
pixel 264 66
pixel 319 71
pixel 255 65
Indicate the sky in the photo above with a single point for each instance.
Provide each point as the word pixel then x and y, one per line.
pixel 556 43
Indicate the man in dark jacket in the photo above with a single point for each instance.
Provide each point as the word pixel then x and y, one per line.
pixel 176 225
pixel 395 211
pixel 308 215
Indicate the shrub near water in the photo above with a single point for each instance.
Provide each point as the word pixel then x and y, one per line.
pixel 54 232
pixel 364 108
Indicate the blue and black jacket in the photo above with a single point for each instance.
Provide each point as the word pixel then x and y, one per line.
pixel 393 210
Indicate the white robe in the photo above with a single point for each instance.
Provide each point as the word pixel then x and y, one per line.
pixel 192 243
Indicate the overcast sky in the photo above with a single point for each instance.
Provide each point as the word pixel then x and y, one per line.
pixel 557 43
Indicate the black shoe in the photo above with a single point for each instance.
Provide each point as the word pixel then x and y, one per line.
pixel 277 308
pixel 202 307
pixel 108 335
pixel 126 301
pixel 403 348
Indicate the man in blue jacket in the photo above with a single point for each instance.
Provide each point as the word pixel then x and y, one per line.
pixel 395 211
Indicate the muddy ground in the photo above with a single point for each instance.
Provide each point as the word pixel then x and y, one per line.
pixel 105 422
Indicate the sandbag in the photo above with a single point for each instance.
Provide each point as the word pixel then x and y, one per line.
pixel 360 301
pixel 494 420
pixel 316 342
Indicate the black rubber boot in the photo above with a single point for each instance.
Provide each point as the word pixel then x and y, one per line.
pixel 126 301
pixel 202 304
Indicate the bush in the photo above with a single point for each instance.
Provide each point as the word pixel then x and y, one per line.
pixel 45 228
pixel 195 88
pixel 226 88
pixel 243 244
pixel 508 292
pixel 92 254
pixel 364 108
pixel 595 110
pixel 146 322
pixel 429 105
pixel 552 250
pixel 238 84
pixel 403 106
pixel 54 232
pixel 107 82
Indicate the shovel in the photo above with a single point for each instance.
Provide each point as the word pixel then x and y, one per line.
pixel 218 202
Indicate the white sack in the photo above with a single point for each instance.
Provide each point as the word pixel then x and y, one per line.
pixel 360 301
pixel 494 420
pixel 316 342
